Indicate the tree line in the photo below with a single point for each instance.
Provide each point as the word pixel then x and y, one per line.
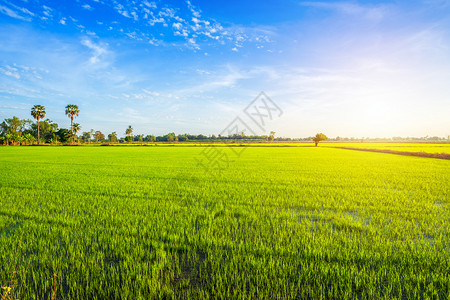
pixel 16 131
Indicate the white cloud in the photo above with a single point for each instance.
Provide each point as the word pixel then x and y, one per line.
pixel 149 4
pixel 87 7
pixel 11 72
pixel 97 50
pixel 21 72
pixel 47 11
pixel 13 14
pixel 22 9
pixel 121 10
pixel 156 20
pixel 177 26
pixel 193 43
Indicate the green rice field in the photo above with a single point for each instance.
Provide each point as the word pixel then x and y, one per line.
pixel 258 223
pixel 405 147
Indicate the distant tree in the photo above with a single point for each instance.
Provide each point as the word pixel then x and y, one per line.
pixel 271 136
pixel 150 138
pixel 86 136
pixel 99 136
pixel 72 111
pixel 139 138
pixel 91 132
pixel 318 138
pixel 201 137
pixel 38 112
pixel 112 137
pixel 170 137
pixel 129 133
pixel 182 138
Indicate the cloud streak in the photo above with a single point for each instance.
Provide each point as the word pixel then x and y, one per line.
pixel 372 12
pixel 14 14
pixel 97 51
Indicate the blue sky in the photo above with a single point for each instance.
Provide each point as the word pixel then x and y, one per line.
pixel 345 68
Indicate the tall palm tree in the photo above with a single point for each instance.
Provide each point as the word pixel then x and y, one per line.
pixel 72 111
pixel 129 132
pixel 38 112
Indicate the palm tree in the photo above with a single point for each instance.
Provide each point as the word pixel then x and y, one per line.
pixel 129 132
pixel 76 128
pixel 72 111
pixel 38 112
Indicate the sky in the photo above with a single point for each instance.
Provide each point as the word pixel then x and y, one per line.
pixel 344 68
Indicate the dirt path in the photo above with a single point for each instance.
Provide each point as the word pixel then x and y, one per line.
pixel 420 154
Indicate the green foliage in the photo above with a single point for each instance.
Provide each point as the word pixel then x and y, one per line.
pixel 86 137
pixel 170 137
pixel 150 138
pixel 319 137
pixel 14 126
pixel 47 129
pixel 63 135
pixel 139 138
pixel 76 128
pixel 112 137
pixel 99 136
pixel 38 112
pixel 278 223
pixel 72 111
pixel 129 133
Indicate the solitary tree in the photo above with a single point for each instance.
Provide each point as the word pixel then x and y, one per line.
pixel 129 132
pixel 38 112
pixel 319 137
pixel 72 111
pixel 271 136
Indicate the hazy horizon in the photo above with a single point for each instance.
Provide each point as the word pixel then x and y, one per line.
pixel 344 68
